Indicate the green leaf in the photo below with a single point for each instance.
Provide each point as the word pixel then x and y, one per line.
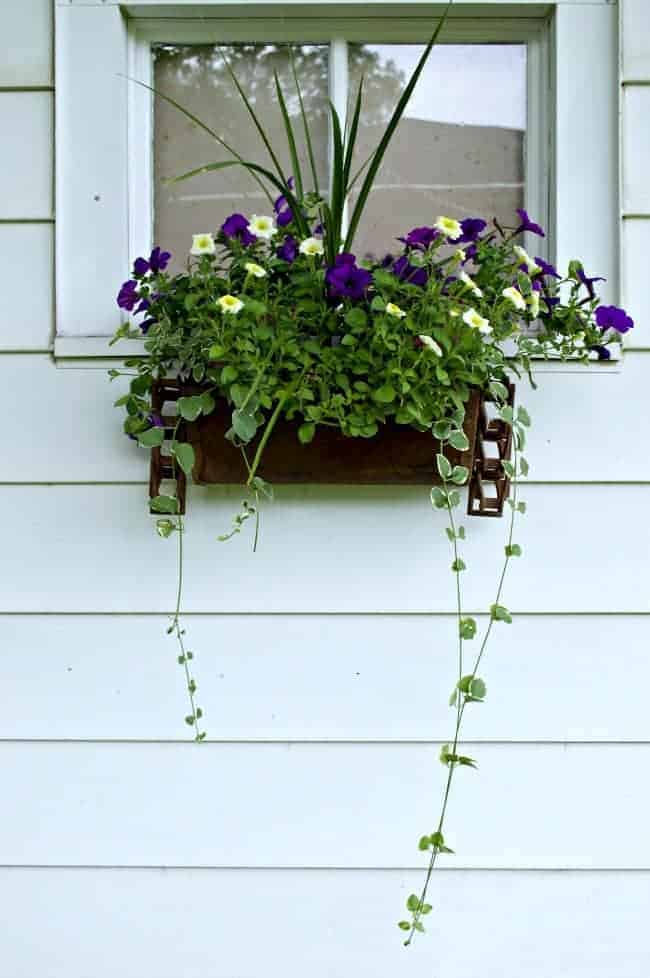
pixel 523 465
pixel 426 908
pixel 523 417
pixel 453 699
pixel 465 761
pixel 424 844
pixel 305 123
pixel 459 441
pixel 498 390
pixel 506 414
pixel 189 408
pixel 413 903
pixel 164 504
pixel 438 498
pixel 152 437
pixel 355 318
pixel 443 465
pixel 404 925
pixel 454 498
pixel 508 468
pixel 437 839
pixel 228 374
pixel 458 565
pixel 418 926
pixel 216 351
pixel 464 683
pixel 477 689
pixel 521 507
pixel 513 550
pixel 244 425
pixel 306 432
pixel 499 613
pixel 442 430
pixel 165 528
pixel 378 304
pixel 291 140
pixel 263 486
pixel 384 394
pixel 207 403
pixel 467 628
pixel 184 455
pixel 459 475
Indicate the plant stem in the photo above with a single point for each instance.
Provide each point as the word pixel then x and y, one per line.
pixel 461 701
pixel 267 434
pixel 179 632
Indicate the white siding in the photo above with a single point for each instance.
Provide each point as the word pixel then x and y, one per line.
pixel 323 665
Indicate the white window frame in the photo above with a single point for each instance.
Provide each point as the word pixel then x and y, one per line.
pixel 104 187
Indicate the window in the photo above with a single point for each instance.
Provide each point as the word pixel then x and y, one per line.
pixel 506 114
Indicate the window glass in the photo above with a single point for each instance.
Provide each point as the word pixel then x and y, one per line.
pixel 195 76
pixel 459 149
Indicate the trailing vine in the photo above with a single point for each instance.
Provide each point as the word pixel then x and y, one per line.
pixel 469 688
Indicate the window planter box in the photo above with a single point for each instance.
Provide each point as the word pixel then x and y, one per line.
pixel 397 455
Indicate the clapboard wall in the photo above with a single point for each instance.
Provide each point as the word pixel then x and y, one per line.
pixel 286 844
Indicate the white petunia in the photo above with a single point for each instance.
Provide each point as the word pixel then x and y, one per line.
pixel 533 304
pixel 311 246
pixel 471 284
pixel 262 226
pixel 474 319
pixel 430 344
pixel 459 255
pixel 203 244
pixel 514 295
pixel 531 265
pixel 448 226
pixel 230 304
pixel 255 270
pixel 394 310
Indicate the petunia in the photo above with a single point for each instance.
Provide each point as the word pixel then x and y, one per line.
pixel 471 228
pixel 471 284
pixel 392 309
pixel 514 295
pixel 528 225
pixel 203 244
pixel 429 344
pixel 146 324
pixel 529 265
pixel 546 267
pixel 128 296
pixel 236 228
pixel 254 269
pixel 346 279
pixel 262 226
pixel 288 251
pixel 533 304
pixel 589 282
pixel 311 247
pixel 611 317
pixel 474 319
pixel 230 304
pixel 602 351
pixel 409 273
pixel 448 226
pixel 159 260
pixel 283 213
pixel 420 238
pixel 140 267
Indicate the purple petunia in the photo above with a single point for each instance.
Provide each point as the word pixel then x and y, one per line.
pixel 589 282
pixel 345 279
pixel 236 227
pixel 140 267
pixel 471 228
pixel 420 238
pixel 407 272
pixel 155 420
pixel 546 267
pixel 611 317
pixel 145 324
pixel 288 251
pixel 159 260
pixel 283 213
pixel 602 351
pixel 551 301
pixel 128 296
pixel 528 225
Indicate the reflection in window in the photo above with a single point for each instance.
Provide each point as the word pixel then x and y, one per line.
pixel 458 151
pixel 196 77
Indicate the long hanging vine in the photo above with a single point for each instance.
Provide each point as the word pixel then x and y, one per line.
pixel 469 688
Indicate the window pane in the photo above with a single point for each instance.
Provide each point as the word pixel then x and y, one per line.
pixel 459 149
pixel 196 77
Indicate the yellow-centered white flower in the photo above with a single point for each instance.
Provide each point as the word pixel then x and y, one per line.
pixel 311 246
pixel 230 304
pixel 448 226
pixel 392 309
pixel 531 265
pixel 459 255
pixel 262 226
pixel 430 344
pixel 514 295
pixel 471 284
pixel 203 244
pixel 254 269
pixel 533 304
pixel 474 319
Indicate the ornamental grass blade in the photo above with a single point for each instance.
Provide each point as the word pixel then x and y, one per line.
pixel 384 142
pixel 352 137
pixel 253 168
pixel 253 115
pixel 202 125
pixel 291 140
pixel 305 124
pixel 337 190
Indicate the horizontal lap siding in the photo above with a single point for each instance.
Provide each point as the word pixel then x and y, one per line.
pixel 162 924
